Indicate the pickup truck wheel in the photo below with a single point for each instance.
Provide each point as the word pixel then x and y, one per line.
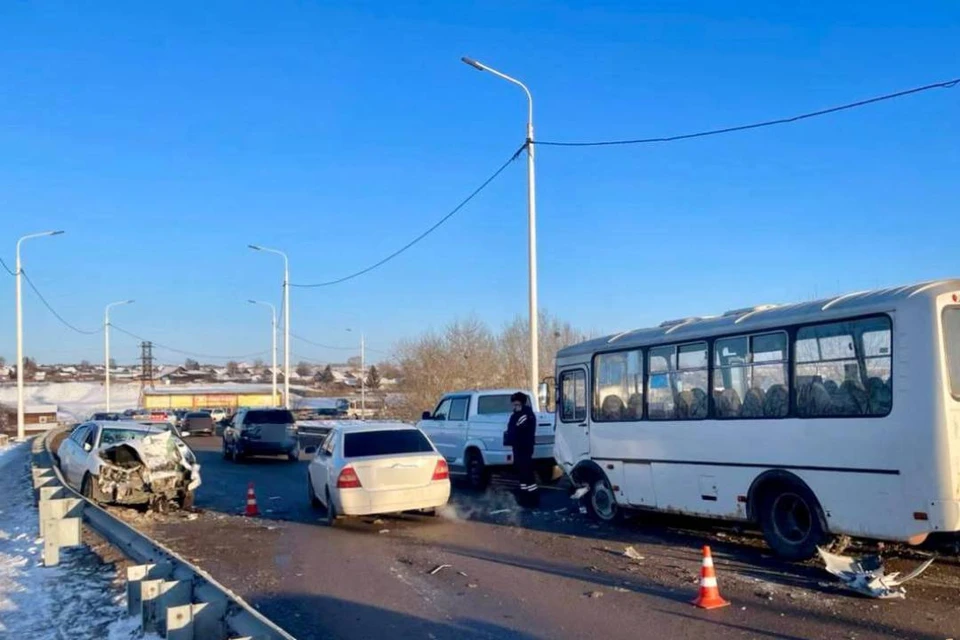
pixel 478 476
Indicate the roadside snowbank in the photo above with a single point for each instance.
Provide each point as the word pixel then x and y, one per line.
pixel 79 599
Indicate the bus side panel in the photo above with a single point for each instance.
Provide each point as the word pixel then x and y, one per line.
pixel 702 489
pixel 865 504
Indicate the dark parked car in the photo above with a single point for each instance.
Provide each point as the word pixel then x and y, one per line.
pixel 261 432
pixel 106 416
pixel 196 423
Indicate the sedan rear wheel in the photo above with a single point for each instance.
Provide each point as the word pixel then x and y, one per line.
pixel 91 490
pixel 331 515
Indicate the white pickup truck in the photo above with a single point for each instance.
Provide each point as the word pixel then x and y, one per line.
pixel 467 428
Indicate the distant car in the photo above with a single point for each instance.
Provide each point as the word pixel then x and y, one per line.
pixel 261 432
pixel 366 469
pixel 125 462
pixel 129 413
pixel 197 423
pixel 107 416
pixel 218 414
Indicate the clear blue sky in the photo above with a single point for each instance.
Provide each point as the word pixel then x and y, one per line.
pixel 165 137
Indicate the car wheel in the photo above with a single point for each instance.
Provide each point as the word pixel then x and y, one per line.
pixel 331 514
pixel 91 490
pixel 226 451
pixel 311 492
pixel 791 520
pixel 600 501
pixel 478 476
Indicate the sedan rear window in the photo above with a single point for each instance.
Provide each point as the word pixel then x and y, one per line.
pixel 385 443
pixel 487 405
pixel 951 347
pixel 194 416
pixel 269 417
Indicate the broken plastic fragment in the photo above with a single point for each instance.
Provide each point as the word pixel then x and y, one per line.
pixel 579 493
pixel 440 567
pixel 867 576
pixel 631 553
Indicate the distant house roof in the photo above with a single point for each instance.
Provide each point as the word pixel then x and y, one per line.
pixel 218 389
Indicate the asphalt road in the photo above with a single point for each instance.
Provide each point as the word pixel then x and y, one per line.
pixel 548 573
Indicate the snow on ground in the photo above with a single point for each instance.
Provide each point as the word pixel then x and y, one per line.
pixel 79 599
pixel 75 400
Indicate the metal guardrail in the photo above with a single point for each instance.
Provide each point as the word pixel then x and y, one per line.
pixel 172 596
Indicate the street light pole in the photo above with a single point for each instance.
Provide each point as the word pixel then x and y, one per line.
pixel 106 346
pixel 273 348
pixel 531 225
pixel 21 428
pixel 286 320
pixel 363 377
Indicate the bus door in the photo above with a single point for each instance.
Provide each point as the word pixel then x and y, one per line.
pixel 572 442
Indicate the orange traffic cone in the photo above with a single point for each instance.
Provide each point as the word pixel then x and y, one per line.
pixel 252 510
pixel 709 597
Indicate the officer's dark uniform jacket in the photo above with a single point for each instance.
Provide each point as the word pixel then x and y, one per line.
pixel 521 435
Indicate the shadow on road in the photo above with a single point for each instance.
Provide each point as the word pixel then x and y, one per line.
pixel 336 618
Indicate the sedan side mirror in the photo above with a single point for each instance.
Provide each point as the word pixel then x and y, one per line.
pixel 426 416
pixel 310 449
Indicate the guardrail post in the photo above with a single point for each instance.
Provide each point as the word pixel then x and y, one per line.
pixel 149 604
pixel 57 509
pixel 183 622
pixel 59 532
pixel 136 575
pixel 173 593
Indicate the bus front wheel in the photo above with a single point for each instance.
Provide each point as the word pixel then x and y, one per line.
pixel 792 521
pixel 600 501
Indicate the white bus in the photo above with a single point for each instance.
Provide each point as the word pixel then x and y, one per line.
pixel 840 416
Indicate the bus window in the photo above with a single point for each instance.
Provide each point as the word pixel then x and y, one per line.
pixel 573 396
pixel 677 388
pixel 843 369
pixel 618 386
pixel 660 402
pixel 750 379
pixel 951 347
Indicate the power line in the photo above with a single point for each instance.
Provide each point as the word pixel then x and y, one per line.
pixel 423 235
pixel 327 346
pixel 949 84
pixel 54 311
pixel 187 353
pixel 7 269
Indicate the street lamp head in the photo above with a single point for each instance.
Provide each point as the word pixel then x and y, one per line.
pixel 252 301
pixel 255 247
pixel 56 233
pixel 129 301
pixel 473 63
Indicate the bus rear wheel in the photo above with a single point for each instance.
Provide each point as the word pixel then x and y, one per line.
pixel 792 521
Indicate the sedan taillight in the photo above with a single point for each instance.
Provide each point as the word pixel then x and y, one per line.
pixel 441 471
pixel 348 479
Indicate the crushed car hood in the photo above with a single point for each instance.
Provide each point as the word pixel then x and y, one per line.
pixel 155 469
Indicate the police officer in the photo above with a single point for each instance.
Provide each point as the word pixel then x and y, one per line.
pixel 521 434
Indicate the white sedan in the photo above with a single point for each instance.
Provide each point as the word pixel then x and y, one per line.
pixel 365 469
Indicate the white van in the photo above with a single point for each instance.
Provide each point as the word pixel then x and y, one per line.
pixel 467 428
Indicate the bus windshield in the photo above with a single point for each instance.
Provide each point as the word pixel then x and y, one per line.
pixel 951 347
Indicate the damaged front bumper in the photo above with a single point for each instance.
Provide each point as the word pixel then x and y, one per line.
pixel 156 470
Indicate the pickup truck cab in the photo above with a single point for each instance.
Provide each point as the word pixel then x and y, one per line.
pixel 467 428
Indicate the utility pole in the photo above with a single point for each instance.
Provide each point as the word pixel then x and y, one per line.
pixel 21 428
pixel 146 366
pixel 106 347
pixel 531 226
pixel 363 380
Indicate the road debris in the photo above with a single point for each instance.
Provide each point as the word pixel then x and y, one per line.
pixel 579 493
pixel 631 553
pixel 867 576
pixel 594 594
pixel 462 573
pixel 499 511
pixel 384 531
pixel 440 567
pixel 472 585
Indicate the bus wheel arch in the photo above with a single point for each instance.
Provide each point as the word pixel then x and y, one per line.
pixel 600 501
pixel 789 514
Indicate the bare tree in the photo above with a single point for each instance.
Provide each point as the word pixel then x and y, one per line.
pixel 258 364
pixel 514 346
pixel 233 368
pixel 353 362
pixel 303 369
pixel 373 378
pixel 191 365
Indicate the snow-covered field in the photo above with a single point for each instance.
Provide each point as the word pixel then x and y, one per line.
pixel 75 400
pixel 79 599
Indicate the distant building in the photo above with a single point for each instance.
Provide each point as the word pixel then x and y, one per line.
pixel 221 396
pixel 35 418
